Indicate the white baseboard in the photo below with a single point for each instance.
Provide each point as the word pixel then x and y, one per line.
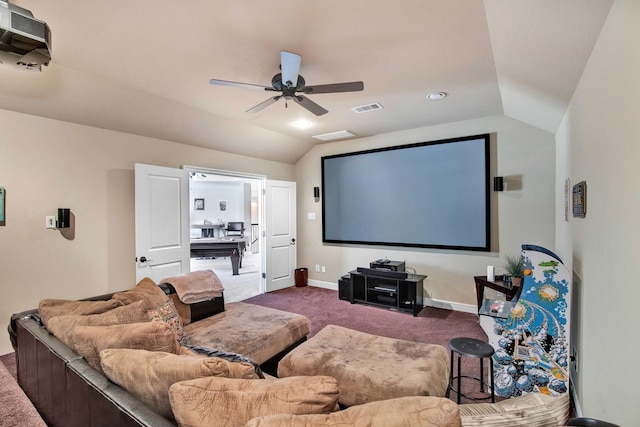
pixel 325 285
pixel 428 302
pixel 576 402
pixel 449 305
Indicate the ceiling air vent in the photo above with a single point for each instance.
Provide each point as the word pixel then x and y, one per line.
pixel 341 134
pixel 366 108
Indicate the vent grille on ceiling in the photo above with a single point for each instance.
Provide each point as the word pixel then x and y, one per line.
pixel 341 134
pixel 366 108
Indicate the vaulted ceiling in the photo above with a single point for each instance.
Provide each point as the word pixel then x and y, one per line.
pixel 143 66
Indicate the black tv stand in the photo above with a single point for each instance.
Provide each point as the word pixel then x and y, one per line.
pixel 402 292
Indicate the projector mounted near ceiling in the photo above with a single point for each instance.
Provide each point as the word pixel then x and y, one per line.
pixel 24 41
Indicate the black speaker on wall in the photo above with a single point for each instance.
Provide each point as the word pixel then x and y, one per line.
pixel 64 218
pixel 498 183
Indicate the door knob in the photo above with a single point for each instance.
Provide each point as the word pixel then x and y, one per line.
pixel 293 241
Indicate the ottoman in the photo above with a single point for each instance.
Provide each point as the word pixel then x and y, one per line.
pixel 368 367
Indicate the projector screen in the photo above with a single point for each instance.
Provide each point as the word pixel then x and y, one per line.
pixel 431 194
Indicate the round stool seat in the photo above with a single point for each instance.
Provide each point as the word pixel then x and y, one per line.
pixel 471 347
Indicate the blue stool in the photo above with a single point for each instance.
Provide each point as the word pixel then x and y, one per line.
pixel 471 347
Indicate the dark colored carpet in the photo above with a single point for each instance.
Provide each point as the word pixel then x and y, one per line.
pixel 16 409
pixel 322 307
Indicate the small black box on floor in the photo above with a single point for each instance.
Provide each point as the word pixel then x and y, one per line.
pixel 387 264
pixel 344 288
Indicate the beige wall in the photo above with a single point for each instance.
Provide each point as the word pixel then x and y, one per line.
pixel 599 141
pixel 47 164
pixel 523 154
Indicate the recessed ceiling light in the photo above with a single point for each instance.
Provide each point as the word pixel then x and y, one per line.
pixel 436 96
pixel 302 124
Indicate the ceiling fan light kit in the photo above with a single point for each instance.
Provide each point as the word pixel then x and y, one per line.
pixel 290 83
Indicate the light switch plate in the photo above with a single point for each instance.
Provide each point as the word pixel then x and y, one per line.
pixel 51 222
pixel 311 216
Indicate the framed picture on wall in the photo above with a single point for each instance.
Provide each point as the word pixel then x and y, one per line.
pixel 223 205
pixel 580 199
pixel 198 204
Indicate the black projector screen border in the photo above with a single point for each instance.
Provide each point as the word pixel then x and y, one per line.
pixel 432 194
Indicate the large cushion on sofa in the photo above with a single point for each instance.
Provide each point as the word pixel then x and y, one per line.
pixel 412 411
pixel 89 341
pixel 49 308
pixel 232 402
pixel 370 367
pixel 62 327
pixel 533 409
pixel 149 374
pixel 146 290
pixel 259 333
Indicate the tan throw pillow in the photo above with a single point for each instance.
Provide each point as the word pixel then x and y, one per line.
pixel 89 341
pixel 146 290
pixel 148 375
pixel 167 313
pixel 49 308
pixel 62 327
pixel 411 411
pixel 233 402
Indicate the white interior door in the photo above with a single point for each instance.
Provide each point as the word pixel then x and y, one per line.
pixel 280 236
pixel 162 222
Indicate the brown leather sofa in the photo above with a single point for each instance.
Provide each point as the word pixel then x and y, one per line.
pixel 68 392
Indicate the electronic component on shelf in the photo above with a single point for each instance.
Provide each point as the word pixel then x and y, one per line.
pixel 382 273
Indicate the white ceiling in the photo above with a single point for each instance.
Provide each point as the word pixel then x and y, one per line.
pixel 143 66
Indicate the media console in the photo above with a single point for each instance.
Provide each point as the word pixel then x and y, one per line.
pixel 395 290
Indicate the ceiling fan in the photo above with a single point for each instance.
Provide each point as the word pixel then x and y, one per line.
pixel 290 84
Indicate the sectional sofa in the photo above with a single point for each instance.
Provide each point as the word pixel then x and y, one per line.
pixel 140 358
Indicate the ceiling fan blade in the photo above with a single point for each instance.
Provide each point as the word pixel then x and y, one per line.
pixel 290 67
pixel 263 104
pixel 310 105
pixel 335 87
pixel 236 84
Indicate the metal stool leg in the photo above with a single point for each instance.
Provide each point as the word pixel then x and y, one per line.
pixel 493 394
pixel 481 375
pixel 459 378
pixel 450 376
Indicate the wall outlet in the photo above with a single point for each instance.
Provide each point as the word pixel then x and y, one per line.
pixel 317 268
pixel 324 270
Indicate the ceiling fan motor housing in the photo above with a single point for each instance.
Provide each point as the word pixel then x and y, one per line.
pixel 277 84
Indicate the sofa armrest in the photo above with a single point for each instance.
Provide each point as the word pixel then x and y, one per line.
pixel 66 391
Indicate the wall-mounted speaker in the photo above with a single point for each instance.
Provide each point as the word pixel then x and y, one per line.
pixel 498 183
pixel 64 218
